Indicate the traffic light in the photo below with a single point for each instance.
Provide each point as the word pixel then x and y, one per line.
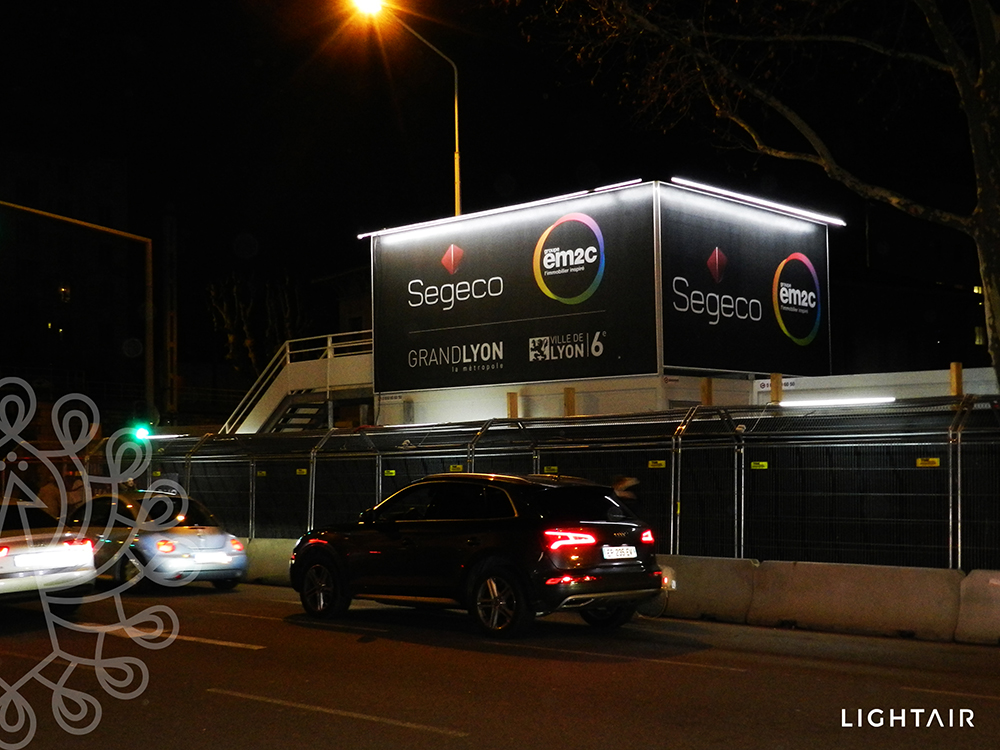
pixel 143 420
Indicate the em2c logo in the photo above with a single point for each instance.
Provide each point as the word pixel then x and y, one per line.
pixel 796 305
pixel 571 271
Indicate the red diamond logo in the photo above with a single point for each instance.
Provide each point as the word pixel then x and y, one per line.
pixel 452 258
pixel 716 264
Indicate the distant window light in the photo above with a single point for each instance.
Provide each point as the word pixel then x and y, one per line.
pixel 64 294
pixel 977 290
pixel 980 336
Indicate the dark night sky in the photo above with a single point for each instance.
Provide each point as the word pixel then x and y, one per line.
pixel 292 123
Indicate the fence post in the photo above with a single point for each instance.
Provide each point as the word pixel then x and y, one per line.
pixel 956 380
pixel 511 405
pixel 706 392
pixel 740 492
pixel 777 389
pixel 569 402
pixel 675 481
pixel 252 520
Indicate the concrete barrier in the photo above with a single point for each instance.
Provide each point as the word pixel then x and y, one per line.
pixel 864 599
pixel 268 560
pixel 924 603
pixel 710 588
pixel 979 609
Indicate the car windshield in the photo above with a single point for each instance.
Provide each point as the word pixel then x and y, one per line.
pixel 579 503
pixel 15 518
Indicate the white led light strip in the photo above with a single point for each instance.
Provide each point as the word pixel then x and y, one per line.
pixel 839 401
pixel 790 210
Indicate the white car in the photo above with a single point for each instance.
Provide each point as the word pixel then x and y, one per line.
pixel 35 556
pixel 167 538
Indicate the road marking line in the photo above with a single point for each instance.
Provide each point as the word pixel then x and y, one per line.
pixel 252 617
pixel 213 642
pixel 621 656
pixel 139 632
pixel 950 692
pixel 312 624
pixel 338 712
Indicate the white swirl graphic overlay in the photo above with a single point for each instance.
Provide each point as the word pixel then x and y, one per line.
pixel 75 423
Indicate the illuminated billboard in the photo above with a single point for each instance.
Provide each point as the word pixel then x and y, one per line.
pixel 744 289
pixel 625 282
pixel 562 290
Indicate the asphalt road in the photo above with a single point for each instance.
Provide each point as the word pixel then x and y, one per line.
pixel 247 669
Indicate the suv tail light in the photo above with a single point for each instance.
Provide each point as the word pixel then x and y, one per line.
pixel 647 536
pixel 557 538
pixel 4 551
pixel 165 546
pixel 569 580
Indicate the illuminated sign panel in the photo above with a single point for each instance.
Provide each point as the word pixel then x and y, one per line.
pixel 581 287
pixel 557 291
pixel 744 289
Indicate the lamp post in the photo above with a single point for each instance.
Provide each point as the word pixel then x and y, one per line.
pixel 371 7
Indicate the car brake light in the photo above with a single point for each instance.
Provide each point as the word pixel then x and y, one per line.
pixel 236 544
pixel 4 551
pixel 80 543
pixel 647 536
pixel 565 580
pixel 165 545
pixel 561 537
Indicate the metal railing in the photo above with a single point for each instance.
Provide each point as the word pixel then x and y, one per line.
pixel 297 350
pixel 915 483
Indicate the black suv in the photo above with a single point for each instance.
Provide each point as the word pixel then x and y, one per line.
pixel 505 548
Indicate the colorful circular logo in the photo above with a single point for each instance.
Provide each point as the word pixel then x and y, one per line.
pixel 571 270
pixel 796 296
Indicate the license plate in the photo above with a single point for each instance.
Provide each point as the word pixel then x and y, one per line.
pixel 58 557
pixel 216 558
pixel 618 553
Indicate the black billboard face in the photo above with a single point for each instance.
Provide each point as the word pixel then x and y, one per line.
pixel 559 291
pixel 744 289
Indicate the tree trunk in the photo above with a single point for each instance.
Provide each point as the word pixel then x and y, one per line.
pixel 987 237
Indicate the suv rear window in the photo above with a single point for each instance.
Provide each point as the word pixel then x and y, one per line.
pixel 579 503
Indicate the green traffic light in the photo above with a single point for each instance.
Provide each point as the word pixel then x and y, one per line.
pixel 141 432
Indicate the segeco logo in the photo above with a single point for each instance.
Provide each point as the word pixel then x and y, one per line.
pixel 448 295
pixel 712 305
pixel 569 259
pixel 795 294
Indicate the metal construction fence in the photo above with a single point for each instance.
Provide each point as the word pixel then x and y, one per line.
pixel 914 483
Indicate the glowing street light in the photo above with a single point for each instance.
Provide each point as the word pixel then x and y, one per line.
pixel 371 7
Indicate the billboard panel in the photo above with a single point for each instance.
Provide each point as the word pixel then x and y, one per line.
pixel 559 291
pixel 744 289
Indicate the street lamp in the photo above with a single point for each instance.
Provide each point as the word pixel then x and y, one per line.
pixel 371 7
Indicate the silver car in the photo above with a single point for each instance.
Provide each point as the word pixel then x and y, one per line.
pixel 167 538
pixel 35 556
